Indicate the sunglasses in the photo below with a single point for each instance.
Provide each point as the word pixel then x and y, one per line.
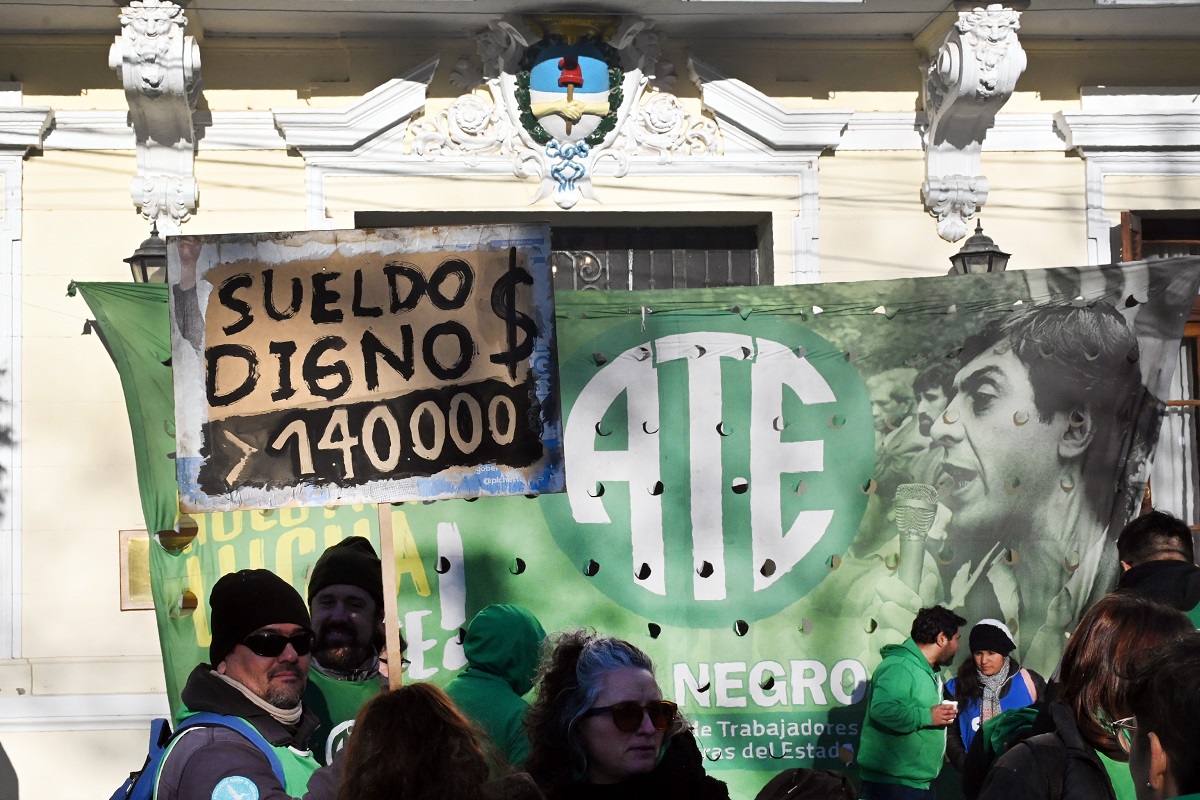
pixel 271 645
pixel 1124 729
pixel 627 716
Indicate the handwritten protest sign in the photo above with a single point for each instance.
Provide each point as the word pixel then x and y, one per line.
pixel 327 367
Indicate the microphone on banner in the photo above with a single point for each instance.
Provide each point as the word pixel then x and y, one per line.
pixel 916 508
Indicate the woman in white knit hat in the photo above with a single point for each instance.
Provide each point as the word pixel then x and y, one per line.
pixel 989 682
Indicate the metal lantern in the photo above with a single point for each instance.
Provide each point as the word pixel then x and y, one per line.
pixel 149 262
pixel 978 255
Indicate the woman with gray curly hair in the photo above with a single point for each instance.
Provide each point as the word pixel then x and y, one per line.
pixel 600 727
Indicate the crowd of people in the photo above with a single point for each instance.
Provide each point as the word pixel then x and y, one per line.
pixel 598 728
pixel 1113 723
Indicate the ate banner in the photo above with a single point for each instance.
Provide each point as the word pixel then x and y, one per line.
pixel 764 484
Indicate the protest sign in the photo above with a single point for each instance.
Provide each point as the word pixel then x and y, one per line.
pixel 363 366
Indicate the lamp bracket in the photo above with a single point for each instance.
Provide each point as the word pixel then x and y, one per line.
pixel 160 68
pixel 971 77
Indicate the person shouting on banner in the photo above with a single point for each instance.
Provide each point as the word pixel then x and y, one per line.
pixel 1035 439
pixel 345 593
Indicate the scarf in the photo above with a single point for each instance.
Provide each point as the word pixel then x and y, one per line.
pixel 991 685
pixel 285 716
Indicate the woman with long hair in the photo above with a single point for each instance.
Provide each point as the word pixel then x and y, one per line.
pixel 988 683
pixel 413 744
pixel 600 728
pixel 1164 699
pixel 1076 752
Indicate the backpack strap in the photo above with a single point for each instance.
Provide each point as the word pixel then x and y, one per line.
pixel 208 719
pixel 1051 755
pixel 1029 684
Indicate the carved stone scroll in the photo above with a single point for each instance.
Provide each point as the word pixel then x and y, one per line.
pixel 972 76
pixel 160 68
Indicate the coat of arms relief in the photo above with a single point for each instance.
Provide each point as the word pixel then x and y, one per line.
pixel 561 94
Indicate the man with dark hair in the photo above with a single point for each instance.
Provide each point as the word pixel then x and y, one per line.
pixel 345 592
pixel 1158 560
pixel 1036 437
pixel 1164 698
pixel 932 388
pixel 903 740
pixel 261 640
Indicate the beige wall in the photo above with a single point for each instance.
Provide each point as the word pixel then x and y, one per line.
pixel 873 226
pixel 60 765
pixel 1150 193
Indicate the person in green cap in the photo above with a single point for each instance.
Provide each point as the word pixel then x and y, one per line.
pixel 345 593
pixel 502 646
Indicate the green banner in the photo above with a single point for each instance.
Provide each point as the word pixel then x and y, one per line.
pixel 765 484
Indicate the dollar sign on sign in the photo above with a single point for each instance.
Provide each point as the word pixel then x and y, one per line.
pixel 504 306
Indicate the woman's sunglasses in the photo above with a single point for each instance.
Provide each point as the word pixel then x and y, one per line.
pixel 627 716
pixel 271 645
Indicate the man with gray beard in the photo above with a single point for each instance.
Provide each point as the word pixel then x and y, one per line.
pixel 261 640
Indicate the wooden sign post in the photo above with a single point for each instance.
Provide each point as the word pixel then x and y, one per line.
pixel 391 613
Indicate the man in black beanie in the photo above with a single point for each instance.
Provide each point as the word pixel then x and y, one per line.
pixel 261 641
pixel 345 592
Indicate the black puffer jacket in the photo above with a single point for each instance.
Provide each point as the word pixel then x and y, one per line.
pixel 1049 765
pixel 1176 583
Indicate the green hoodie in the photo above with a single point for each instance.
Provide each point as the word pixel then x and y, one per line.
pixel 502 646
pixel 899 743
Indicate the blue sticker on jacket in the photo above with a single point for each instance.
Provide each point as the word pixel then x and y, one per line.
pixel 235 787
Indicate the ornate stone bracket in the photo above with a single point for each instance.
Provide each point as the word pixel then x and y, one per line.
pixel 972 76
pixel 494 119
pixel 160 68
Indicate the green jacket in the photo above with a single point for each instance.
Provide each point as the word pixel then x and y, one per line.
pixel 899 743
pixel 502 646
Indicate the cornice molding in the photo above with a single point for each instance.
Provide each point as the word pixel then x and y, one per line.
pixel 739 105
pixel 238 130
pixel 1021 133
pixel 1125 130
pixel 24 128
pixel 343 129
pixel 256 130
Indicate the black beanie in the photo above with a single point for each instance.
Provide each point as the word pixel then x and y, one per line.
pixel 245 601
pixel 351 561
pixel 993 635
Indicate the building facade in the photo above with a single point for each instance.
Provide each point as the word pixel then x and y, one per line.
pixel 728 143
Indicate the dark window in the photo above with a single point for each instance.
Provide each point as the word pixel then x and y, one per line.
pixel 654 258
pixel 622 251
